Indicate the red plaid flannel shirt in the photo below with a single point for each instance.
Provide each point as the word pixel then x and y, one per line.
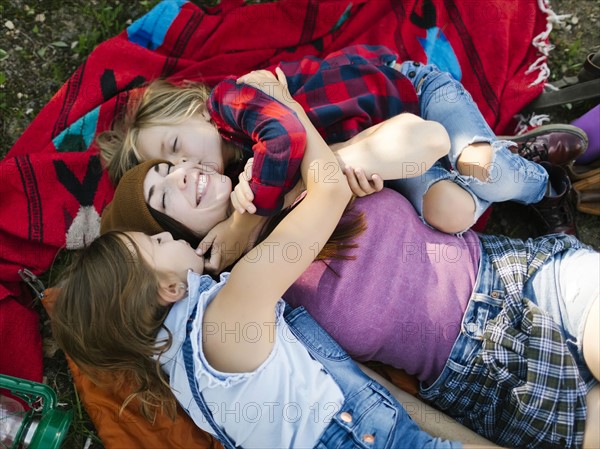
pixel 343 94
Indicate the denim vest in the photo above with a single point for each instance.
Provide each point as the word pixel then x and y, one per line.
pixel 370 416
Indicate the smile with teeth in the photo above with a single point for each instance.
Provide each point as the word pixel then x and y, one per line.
pixel 202 183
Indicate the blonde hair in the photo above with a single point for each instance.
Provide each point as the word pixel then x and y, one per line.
pixel 162 103
pixel 106 318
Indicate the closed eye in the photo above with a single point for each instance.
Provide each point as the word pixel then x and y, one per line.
pixel 164 195
pixel 175 145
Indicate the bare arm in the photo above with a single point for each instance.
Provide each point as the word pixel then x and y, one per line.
pixel 261 277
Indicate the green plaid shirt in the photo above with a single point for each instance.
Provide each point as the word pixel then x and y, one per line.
pixel 524 387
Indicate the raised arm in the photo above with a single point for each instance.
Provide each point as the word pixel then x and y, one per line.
pixel 246 115
pixel 261 277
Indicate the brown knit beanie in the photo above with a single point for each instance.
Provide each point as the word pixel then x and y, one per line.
pixel 128 210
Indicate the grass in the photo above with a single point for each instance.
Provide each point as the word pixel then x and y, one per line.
pixel 42 43
pixel 109 20
pixel 47 40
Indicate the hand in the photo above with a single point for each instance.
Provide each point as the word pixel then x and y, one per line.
pixel 229 240
pixel 275 87
pixel 225 247
pixel 242 195
pixel 360 185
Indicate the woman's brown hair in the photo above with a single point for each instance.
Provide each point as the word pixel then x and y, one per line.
pixel 107 316
pixel 337 246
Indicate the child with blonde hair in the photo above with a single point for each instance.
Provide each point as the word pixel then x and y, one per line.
pixel 355 98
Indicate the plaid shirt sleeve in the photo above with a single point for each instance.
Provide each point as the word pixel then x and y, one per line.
pixel 252 119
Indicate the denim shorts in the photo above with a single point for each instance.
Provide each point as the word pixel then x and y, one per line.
pixel 444 100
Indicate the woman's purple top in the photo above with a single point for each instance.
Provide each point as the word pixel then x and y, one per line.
pixel 402 299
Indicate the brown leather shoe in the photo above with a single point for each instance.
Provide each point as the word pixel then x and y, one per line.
pixel 556 214
pixel 557 144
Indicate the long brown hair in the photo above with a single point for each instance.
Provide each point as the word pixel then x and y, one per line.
pixel 337 246
pixel 107 316
pixel 178 230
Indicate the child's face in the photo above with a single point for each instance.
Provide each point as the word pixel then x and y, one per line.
pixel 168 256
pixel 195 139
pixel 190 193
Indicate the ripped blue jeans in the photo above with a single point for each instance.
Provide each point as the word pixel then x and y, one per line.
pixel 444 100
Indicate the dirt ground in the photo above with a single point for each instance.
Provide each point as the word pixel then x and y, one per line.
pixel 43 41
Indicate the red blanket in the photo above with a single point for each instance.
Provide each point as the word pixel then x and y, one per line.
pixel 53 188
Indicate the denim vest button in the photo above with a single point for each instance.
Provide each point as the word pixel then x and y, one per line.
pixel 412 74
pixel 416 63
pixel 495 294
pixel 346 417
pixel 368 438
pixel 471 327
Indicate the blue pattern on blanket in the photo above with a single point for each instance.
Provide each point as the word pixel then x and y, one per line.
pixel 439 52
pixel 78 137
pixel 150 30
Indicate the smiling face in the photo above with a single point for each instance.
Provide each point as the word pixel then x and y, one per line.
pixel 193 138
pixel 193 194
pixel 167 256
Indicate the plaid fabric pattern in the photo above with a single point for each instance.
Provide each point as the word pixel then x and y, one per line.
pixel 342 94
pixel 523 388
pixel 266 130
